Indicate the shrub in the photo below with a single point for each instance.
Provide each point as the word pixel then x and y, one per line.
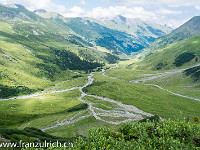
pixel 183 58
pixel 145 135
pixel 194 73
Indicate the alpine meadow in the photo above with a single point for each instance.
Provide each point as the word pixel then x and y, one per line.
pixel 102 75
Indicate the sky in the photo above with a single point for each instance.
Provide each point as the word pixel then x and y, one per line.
pixel 172 13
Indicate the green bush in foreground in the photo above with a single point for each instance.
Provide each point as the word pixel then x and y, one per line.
pixel 130 136
pixel 145 135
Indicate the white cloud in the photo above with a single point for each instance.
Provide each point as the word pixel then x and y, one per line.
pixel 74 12
pixel 197 7
pixel 33 5
pixel 135 12
pixel 171 3
pixel 179 3
pixel 164 11
pixel 173 23
pixel 83 2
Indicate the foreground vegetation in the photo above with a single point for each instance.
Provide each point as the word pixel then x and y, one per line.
pixel 146 135
pixel 155 134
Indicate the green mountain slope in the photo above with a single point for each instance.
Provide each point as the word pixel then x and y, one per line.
pixel 174 68
pixel 187 30
pixel 182 54
pixel 35 53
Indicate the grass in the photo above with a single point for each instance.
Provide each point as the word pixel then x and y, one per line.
pixel 37 62
pixel 114 119
pixel 127 62
pixel 18 67
pixel 181 55
pixel 16 112
pixel 152 99
pixel 128 70
pixel 102 107
pixel 179 83
pixel 128 74
pixel 95 100
pixel 75 82
pixel 79 128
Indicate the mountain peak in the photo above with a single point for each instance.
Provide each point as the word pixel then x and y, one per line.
pixel 122 18
pixel 19 6
pixel 40 11
pixel 14 6
pixel 45 14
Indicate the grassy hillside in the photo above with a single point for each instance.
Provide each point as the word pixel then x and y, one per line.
pixel 37 53
pixel 177 55
pixel 187 30
pixel 166 64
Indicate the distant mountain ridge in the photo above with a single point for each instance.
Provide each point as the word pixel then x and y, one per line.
pixel 142 33
pixel 190 29
pixel 134 26
pixel 119 35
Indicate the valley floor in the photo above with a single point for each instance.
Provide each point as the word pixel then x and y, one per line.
pixel 113 96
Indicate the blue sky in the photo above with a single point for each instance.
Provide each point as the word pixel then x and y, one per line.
pixel 170 12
